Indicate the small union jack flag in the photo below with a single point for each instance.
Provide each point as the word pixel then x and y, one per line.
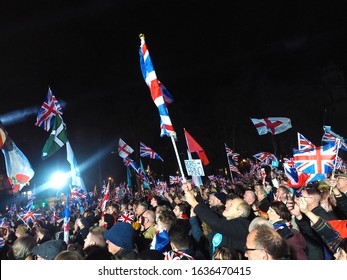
pixel 265 157
pixel 78 194
pixel 146 151
pixel 304 143
pixel 4 222
pixel 126 217
pixel 175 179
pixel 29 216
pixel 47 112
pixel 330 136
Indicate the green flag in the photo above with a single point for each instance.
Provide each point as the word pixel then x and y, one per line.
pixel 57 139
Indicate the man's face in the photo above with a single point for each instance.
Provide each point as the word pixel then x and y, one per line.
pixel 251 250
pixel 341 183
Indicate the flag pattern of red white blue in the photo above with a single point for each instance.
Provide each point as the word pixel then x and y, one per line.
pixel 175 179
pixel 330 136
pixel 318 161
pixel 274 125
pixel 47 112
pixel 131 164
pixel 124 150
pixel 78 194
pixel 265 157
pixel 105 199
pixel 29 216
pixel 296 179
pixel 147 152
pixel 304 143
pixel 126 217
pixel 152 82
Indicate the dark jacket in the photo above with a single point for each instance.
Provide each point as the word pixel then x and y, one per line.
pixel 234 232
pixel 315 245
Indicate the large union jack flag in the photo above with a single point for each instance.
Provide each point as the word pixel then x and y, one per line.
pixel 319 160
pixel 146 151
pixel 152 82
pixel 47 112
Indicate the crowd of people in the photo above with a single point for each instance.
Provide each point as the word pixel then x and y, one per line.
pixel 256 220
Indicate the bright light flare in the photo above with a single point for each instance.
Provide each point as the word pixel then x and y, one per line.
pixel 58 180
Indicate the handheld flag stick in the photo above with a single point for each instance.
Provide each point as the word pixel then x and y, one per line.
pixel 173 136
pixel 24 221
pixel 338 144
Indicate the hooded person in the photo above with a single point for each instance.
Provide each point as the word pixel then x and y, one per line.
pixel 120 239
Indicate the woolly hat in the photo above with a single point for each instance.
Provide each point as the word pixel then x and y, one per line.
pixel 122 235
pixel 341 175
pixel 221 196
pixel 49 249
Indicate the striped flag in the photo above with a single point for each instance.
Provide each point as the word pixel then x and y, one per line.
pixel 151 80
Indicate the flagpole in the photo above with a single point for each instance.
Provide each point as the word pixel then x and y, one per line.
pixel 231 174
pixel 173 136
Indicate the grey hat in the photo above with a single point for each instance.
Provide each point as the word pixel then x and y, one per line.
pixel 49 249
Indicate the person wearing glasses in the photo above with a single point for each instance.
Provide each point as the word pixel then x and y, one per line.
pixel 339 189
pixel 264 243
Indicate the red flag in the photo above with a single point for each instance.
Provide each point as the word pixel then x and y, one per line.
pixel 193 146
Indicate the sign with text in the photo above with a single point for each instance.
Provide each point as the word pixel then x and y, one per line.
pixel 194 167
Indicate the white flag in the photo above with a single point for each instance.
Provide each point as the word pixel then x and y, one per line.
pixel 124 150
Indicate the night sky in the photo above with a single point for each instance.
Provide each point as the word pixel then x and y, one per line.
pixel 223 62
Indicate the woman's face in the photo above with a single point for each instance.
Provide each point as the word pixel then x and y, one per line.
pixel 273 217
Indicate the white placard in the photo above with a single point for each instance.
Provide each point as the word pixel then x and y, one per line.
pixel 194 167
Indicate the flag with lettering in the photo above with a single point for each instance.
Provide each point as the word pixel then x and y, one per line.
pixel 57 138
pixel 152 82
pixel 124 150
pixel 274 125
pixel 49 109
